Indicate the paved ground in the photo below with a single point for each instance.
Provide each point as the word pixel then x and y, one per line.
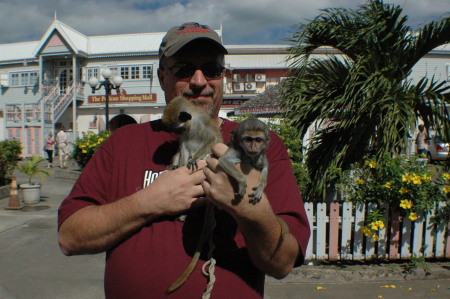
pixel 32 266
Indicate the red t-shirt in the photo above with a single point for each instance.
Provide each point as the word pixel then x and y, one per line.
pixel 144 265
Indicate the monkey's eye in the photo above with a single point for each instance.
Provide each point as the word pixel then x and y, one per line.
pixel 249 139
pixel 210 70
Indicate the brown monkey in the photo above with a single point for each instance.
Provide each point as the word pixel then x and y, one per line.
pixel 247 146
pixel 198 134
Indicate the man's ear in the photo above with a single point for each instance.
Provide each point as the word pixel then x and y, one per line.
pixel 161 78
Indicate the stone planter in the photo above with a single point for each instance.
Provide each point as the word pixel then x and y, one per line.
pixel 31 193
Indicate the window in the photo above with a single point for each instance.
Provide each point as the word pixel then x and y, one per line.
pixel 14 79
pixel 24 79
pixel 124 73
pixel 92 72
pixel 114 71
pixel 147 72
pixel 134 72
pixel 33 78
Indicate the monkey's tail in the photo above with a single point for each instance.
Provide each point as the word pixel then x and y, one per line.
pixel 190 268
pixel 184 276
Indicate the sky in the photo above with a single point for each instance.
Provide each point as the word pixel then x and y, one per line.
pixel 242 21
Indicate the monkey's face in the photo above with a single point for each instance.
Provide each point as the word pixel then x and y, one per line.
pixel 253 142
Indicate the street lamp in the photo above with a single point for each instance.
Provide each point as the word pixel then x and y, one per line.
pixel 109 83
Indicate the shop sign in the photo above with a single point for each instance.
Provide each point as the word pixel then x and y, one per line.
pixel 257 110
pixel 123 98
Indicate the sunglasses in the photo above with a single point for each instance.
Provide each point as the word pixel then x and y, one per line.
pixel 184 70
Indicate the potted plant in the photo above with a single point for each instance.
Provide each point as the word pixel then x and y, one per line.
pixel 32 191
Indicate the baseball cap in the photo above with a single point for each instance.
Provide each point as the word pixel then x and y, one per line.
pixel 179 36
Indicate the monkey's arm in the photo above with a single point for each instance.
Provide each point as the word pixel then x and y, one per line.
pixel 269 248
pixel 228 163
pixel 255 197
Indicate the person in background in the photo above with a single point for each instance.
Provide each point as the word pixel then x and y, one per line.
pixel 63 148
pixel 49 147
pixel 421 140
pixel 127 203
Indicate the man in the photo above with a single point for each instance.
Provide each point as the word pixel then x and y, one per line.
pixel 126 203
pixel 421 140
pixel 63 148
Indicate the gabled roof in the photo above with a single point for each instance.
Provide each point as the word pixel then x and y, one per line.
pixel 77 41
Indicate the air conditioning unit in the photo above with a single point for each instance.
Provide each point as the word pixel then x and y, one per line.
pixel 236 77
pixel 4 80
pixel 238 86
pixel 250 86
pixel 260 77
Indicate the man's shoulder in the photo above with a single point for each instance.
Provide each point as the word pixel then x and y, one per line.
pixel 152 129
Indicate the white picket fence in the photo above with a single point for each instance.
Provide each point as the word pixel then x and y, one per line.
pixel 336 234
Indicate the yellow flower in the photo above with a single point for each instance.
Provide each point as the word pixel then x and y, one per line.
pixel 407 178
pixel 84 151
pixel 413 216
pixel 366 231
pixel 375 238
pixel 377 225
pixel 426 178
pixel 372 164
pixel 446 176
pixel 403 190
pixel 406 204
pixel 417 180
pixel 446 189
pixel 100 139
pixel 320 288
pixel 388 185
pixel 359 181
pixel 374 225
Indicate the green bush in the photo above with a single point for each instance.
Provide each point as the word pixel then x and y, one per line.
pixel 10 151
pixel 409 186
pixel 86 146
pixel 294 147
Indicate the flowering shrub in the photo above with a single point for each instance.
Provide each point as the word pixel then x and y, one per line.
pixel 86 146
pixel 409 186
pixel 10 151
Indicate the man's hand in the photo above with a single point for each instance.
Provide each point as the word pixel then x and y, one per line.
pixel 174 191
pixel 221 188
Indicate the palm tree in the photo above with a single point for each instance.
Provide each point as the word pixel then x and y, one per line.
pixel 361 100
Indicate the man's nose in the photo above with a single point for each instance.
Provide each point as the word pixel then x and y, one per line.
pixel 198 79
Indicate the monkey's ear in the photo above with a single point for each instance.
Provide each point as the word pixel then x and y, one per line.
pixel 184 116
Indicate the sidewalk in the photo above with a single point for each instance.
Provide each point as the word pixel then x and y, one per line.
pixel 32 266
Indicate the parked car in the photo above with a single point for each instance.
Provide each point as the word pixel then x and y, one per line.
pixel 437 150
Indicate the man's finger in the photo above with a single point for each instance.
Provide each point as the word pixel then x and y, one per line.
pixel 219 149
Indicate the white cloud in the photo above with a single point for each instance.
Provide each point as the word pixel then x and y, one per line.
pixel 244 21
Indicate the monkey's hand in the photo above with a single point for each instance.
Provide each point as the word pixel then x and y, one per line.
pixel 255 197
pixel 192 165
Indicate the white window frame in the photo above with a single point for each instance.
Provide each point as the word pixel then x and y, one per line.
pixel 30 78
pixel 132 72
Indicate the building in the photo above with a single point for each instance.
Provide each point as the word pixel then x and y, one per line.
pixel 43 84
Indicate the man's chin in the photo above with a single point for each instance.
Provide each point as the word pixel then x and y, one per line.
pixel 205 105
